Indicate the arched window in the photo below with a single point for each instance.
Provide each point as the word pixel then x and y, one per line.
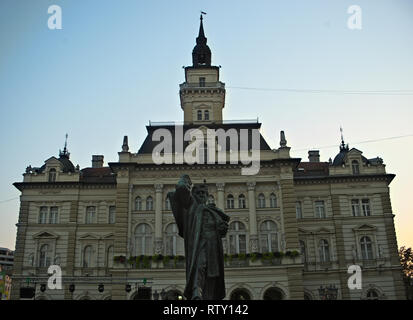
pixel 87 257
pixel 44 256
pixel 269 236
pixel 112 214
pixel 167 204
pixel 241 202
pixel 143 239
pixel 273 294
pixel 303 252
pixel 211 199
pixel 149 203
pixel 206 115
pixel 138 203
pixel 90 214
pixel 199 113
pixel 52 175
pixel 174 243
pixel 355 167
pixel 261 201
pixel 240 294
pixel 372 295
pixel 230 201
pixel 237 236
pixel 273 201
pixel 366 248
pixel 109 257
pixel 324 251
pixel 43 215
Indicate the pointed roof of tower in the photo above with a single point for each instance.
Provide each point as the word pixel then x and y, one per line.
pixel 201 55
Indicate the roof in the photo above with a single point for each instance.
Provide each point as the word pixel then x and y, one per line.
pixel 67 165
pixel 148 144
pixel 97 175
pixel 312 169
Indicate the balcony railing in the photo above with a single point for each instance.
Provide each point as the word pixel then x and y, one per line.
pixel 197 85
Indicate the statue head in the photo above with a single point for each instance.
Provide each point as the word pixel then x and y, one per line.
pixel 200 192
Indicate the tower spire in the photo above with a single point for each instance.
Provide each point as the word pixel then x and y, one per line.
pixel 201 55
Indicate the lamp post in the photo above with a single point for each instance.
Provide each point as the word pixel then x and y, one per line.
pixel 328 293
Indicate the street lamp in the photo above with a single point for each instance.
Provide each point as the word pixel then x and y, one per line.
pixel 328 293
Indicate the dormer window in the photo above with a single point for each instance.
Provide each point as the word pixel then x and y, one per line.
pixel 52 175
pixel 199 113
pixel 355 167
pixel 202 81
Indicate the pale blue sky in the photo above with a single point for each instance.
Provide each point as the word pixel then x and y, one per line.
pixel 117 64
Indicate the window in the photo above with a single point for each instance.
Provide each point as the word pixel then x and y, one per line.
pixel 52 175
pixel 303 252
pixel 149 203
pixel 211 199
pixel 366 248
pixel 365 205
pixel 355 207
pixel 167 204
pixel 319 209
pixel 324 251
pixel 241 202
pixel 53 215
pixel 237 238
pixel 109 257
pixel 355 167
pixel 112 214
pixel 230 201
pixel 90 214
pixel 273 201
pixel 143 239
pixel 138 203
pixel 261 201
pixel 202 81
pixel 206 115
pixel 298 211
pixel 87 257
pixel 199 114
pixel 44 256
pixel 43 215
pixel 372 294
pixel 269 237
pixel 174 243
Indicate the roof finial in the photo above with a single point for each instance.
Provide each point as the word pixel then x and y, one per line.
pixel 64 153
pixel 342 146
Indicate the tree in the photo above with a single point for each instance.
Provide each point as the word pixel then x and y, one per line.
pixel 406 260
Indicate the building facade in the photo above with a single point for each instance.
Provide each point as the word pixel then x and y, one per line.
pixel 295 225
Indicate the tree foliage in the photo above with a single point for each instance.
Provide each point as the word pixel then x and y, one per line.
pixel 406 260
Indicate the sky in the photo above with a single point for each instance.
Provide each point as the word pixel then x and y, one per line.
pixel 115 65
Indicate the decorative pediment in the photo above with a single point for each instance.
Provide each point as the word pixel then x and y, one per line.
pixel 53 161
pixel 354 151
pixel 300 230
pixel 45 235
pixel 323 230
pixel 88 236
pixel 109 236
pixel 365 227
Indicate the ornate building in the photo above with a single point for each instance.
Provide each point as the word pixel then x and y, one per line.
pixel 295 226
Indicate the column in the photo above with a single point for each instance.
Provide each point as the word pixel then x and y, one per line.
pixel 221 197
pixel 252 217
pixel 158 218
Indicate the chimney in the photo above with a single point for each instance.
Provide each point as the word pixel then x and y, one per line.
pixel 97 161
pixel 314 156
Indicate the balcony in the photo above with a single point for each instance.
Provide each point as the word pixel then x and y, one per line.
pixel 197 85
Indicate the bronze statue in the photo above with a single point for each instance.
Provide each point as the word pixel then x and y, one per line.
pixel 202 226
